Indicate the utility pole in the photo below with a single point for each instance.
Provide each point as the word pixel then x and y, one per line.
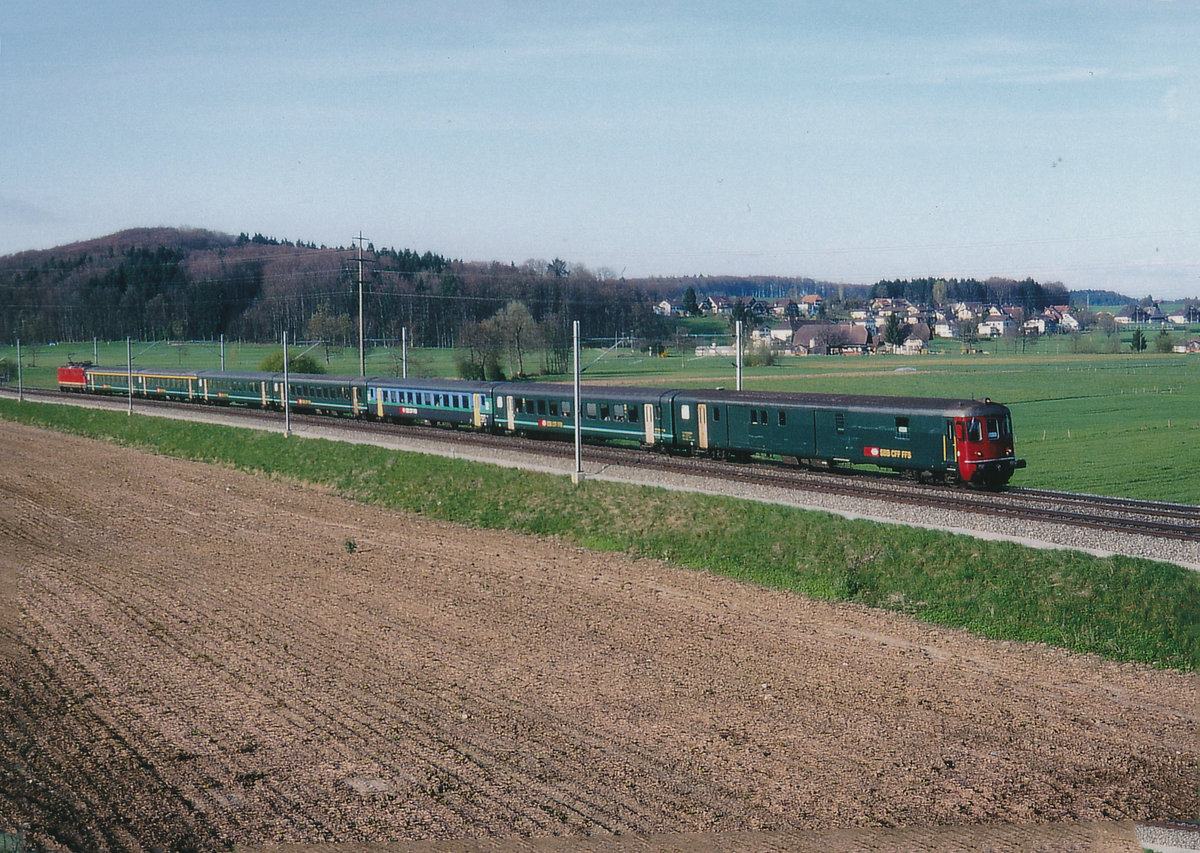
pixel 739 355
pixel 404 352
pixel 20 381
pixel 362 343
pixel 287 410
pixel 577 476
pixel 129 370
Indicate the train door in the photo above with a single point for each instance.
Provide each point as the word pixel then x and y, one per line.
pixel 949 448
pixel 354 400
pixel 648 420
pixel 702 424
pixel 477 407
pixel 512 413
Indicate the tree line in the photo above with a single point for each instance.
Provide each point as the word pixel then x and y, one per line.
pixel 198 287
pixel 1027 294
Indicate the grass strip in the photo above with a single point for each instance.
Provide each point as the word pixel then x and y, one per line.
pixel 1119 607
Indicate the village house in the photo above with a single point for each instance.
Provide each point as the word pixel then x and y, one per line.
pixel 831 339
pixel 716 305
pixel 970 311
pixel 783 308
pixel 811 305
pixel 996 324
pixel 946 327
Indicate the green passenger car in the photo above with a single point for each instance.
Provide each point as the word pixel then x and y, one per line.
pixel 608 413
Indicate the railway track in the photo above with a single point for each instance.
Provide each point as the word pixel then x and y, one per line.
pixel 1115 515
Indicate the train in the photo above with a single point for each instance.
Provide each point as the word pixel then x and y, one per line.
pixel 957 441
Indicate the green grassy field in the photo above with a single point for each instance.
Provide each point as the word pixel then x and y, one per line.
pixel 1126 609
pixel 1118 424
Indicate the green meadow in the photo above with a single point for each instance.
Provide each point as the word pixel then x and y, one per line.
pixel 1117 424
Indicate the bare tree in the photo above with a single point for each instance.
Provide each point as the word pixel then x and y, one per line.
pixel 519 331
pixel 324 326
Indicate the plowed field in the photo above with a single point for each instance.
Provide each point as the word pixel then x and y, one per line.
pixel 194 657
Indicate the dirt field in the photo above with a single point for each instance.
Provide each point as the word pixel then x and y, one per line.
pixel 194 658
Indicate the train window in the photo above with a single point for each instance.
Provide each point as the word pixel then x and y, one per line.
pixel 902 427
pixel 685 412
pixel 754 416
pixel 499 402
pixel 633 414
pixel 541 407
pixel 839 422
pixel 782 418
pixel 993 428
pixel 716 413
pixel 604 412
pixel 619 412
pixel 762 417
pixel 974 430
pixel 590 410
pixel 554 408
pixel 566 409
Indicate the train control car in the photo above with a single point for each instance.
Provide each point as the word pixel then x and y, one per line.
pixel 608 413
pixel 437 401
pixel 950 440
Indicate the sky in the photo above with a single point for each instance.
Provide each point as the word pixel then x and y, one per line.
pixel 844 141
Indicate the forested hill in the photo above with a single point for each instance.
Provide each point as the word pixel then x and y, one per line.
pixel 191 284
pixel 198 285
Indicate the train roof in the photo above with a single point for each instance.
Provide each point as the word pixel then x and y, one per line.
pixel 452 385
pixel 563 390
pixel 122 369
pixel 849 402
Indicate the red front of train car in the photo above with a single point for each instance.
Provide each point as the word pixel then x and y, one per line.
pixel 72 377
pixel 984 443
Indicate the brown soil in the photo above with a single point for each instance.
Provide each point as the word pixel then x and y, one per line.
pixel 194 657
